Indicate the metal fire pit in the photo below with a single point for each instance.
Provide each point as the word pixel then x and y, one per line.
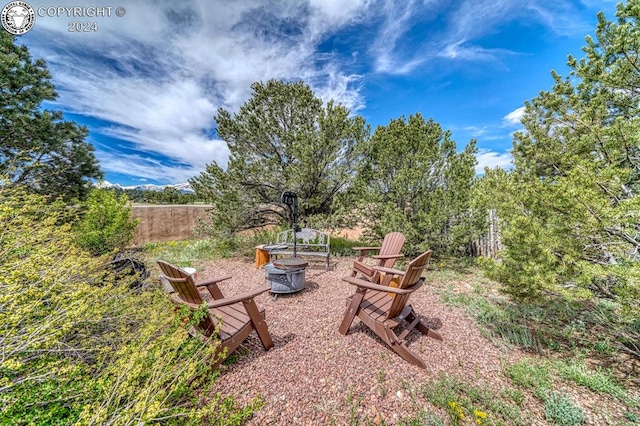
pixel 286 275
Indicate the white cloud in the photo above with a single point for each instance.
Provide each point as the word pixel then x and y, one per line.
pixel 463 24
pixel 138 165
pixel 514 117
pixel 475 131
pixel 337 88
pixel 461 50
pixel 159 74
pixel 398 19
pixel 329 14
pixel 492 159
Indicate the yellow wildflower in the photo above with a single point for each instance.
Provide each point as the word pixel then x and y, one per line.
pixel 480 415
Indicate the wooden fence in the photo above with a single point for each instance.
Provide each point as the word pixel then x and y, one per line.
pixel 176 222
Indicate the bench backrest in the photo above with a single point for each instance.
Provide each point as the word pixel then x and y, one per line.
pixel 305 237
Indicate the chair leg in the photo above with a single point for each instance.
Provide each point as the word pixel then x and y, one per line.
pixel 408 355
pixel 221 353
pixel 258 323
pixel 422 327
pixel 399 346
pixel 351 312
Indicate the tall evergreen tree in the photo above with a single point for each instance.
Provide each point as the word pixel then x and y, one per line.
pixel 282 139
pixel 571 218
pixel 38 149
pixel 413 180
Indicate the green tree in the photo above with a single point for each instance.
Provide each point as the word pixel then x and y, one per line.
pixel 169 195
pixel 282 139
pixel 105 222
pixel 570 209
pixel 38 149
pixel 413 180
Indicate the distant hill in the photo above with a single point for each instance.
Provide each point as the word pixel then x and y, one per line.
pixel 183 188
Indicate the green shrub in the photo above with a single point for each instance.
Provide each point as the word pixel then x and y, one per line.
pixel 560 410
pixel 185 253
pixel 105 222
pixel 77 352
pixel 531 374
pixel 344 247
pixel 597 380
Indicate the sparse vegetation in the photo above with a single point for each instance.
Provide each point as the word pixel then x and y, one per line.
pixel 561 410
pixel 531 374
pixel 462 401
pixel 596 379
pixel 84 348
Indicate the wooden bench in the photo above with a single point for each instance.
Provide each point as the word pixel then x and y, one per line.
pixel 309 242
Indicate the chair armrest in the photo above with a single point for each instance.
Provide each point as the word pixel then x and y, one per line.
pixel 388 270
pixel 387 256
pixel 172 279
pixel 376 287
pixel 247 295
pixel 213 281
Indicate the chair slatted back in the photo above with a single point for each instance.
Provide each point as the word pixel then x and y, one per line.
pixel 392 243
pixel 185 286
pixel 411 277
pixel 181 281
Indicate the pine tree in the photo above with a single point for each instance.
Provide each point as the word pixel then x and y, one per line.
pixel 413 180
pixel 571 220
pixel 38 149
pixel 282 139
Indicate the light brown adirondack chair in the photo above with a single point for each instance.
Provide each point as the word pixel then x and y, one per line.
pixel 384 308
pixel 387 255
pixel 236 316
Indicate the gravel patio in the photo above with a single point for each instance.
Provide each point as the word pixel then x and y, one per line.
pixel 314 375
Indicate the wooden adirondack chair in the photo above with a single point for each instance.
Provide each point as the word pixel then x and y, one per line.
pixel 384 308
pixel 387 255
pixel 237 316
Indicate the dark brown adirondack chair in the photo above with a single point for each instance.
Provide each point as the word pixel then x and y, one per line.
pixel 387 255
pixel 236 316
pixel 384 308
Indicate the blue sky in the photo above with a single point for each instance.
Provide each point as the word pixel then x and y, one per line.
pixel 149 83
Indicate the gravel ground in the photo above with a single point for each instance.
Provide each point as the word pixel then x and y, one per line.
pixel 316 376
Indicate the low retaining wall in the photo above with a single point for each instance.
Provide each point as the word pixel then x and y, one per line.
pixel 166 222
